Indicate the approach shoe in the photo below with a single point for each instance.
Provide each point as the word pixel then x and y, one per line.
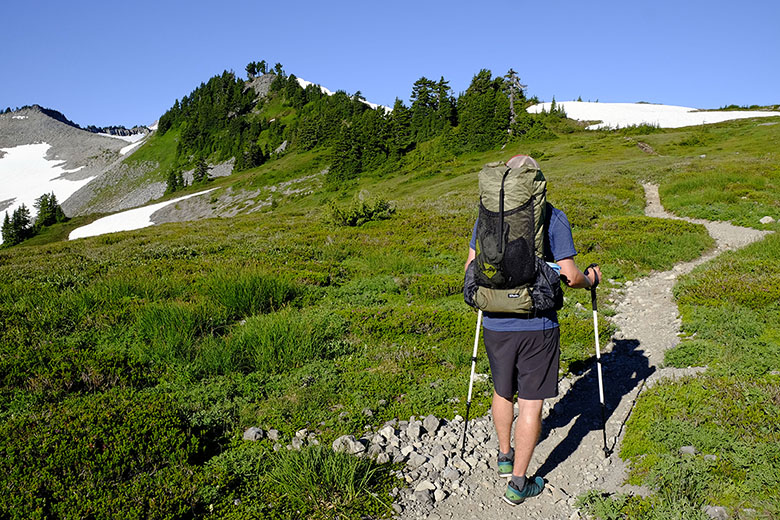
pixel 533 486
pixel 505 464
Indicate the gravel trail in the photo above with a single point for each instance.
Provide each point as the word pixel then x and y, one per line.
pixel 442 484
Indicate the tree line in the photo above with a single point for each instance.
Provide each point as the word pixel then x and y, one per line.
pixel 20 226
pixel 222 118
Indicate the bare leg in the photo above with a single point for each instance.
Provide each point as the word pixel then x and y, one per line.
pixel 529 424
pixel 503 415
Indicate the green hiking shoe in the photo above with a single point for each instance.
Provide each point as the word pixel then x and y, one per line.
pixel 533 486
pixel 505 464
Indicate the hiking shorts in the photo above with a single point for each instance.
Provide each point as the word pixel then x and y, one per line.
pixel 524 362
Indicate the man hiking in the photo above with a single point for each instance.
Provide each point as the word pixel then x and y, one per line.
pixel 524 350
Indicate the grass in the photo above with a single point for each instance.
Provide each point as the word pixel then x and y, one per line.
pixel 281 320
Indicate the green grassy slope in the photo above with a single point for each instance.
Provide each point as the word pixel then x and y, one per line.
pixel 132 362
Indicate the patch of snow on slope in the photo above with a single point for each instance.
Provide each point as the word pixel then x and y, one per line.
pixel 129 220
pixel 130 146
pixel 25 175
pixel 303 83
pixel 621 115
pixel 129 138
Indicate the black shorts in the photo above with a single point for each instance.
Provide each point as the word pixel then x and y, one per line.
pixel 524 362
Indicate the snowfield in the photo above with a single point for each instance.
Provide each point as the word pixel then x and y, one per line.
pixel 621 115
pixel 26 174
pixel 129 220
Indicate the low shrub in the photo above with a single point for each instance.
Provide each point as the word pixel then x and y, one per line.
pixel 362 209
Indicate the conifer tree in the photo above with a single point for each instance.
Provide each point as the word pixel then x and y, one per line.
pixel 7 231
pixel 201 173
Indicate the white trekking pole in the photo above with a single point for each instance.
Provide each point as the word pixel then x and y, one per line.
pixel 594 304
pixel 471 379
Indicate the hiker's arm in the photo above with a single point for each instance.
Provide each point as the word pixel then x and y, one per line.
pixel 573 277
pixel 470 258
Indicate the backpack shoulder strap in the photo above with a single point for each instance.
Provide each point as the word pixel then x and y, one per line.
pixel 548 210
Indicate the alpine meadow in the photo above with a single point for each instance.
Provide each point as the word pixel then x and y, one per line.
pixel 316 292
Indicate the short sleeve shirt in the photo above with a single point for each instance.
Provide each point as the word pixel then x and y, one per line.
pixel 562 246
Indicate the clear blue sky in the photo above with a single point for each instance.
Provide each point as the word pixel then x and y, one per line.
pixel 105 62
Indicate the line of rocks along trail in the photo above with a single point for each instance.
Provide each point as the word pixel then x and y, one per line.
pixel 442 484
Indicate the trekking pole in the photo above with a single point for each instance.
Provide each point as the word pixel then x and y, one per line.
pixel 594 304
pixel 471 380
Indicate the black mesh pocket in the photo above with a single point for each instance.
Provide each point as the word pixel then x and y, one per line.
pixel 518 265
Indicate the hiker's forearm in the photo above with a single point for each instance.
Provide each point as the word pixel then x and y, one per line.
pixel 573 277
pixel 470 258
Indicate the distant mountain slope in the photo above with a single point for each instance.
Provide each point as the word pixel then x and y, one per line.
pixel 41 151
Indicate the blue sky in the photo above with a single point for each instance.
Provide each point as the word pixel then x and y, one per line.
pixel 105 62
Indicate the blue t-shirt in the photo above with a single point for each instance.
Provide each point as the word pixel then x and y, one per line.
pixel 562 246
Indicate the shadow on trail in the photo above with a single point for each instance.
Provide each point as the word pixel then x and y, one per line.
pixel 623 369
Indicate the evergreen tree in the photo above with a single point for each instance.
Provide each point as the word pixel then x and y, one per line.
pixel 483 113
pixel 201 173
pixel 278 69
pixel 49 211
pixel 423 109
pixel 516 92
pixel 399 130
pixel 262 67
pixel 251 70
pixel 7 231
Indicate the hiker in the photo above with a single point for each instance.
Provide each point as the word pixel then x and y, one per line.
pixel 524 349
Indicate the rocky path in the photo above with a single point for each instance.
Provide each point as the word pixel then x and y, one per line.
pixel 444 484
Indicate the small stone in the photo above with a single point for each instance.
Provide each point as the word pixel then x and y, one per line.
pixel 301 433
pixel 688 450
pixel 374 450
pixel 439 462
pixel 406 450
pixel 424 497
pixel 273 435
pixel 382 458
pixel 716 512
pixel 277 446
pixel 767 220
pixel 450 474
pixel 387 432
pixel 343 443
pixel 413 431
pixel 431 424
pixel 416 460
pixel 367 412
pixel 253 434
pixel 439 495
pixel 424 485
pixel 710 457
pixel 297 443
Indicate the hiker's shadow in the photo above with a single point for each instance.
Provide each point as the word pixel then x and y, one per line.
pixel 623 369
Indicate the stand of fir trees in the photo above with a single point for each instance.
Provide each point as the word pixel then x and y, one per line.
pixel 20 226
pixel 224 118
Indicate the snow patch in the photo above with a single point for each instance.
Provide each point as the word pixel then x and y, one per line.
pixel 621 115
pixel 18 117
pixel 303 83
pixel 129 138
pixel 129 220
pixel 129 147
pixel 26 174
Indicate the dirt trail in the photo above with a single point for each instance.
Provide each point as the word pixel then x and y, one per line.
pixel 569 455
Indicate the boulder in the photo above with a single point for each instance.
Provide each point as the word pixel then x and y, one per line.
pixel 253 434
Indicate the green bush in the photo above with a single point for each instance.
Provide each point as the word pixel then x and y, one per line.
pixel 362 209
pixel 247 293
pixel 118 454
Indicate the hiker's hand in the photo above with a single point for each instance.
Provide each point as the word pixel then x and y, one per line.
pixel 593 273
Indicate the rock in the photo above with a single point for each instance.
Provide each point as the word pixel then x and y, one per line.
pixel 416 460
pixel 253 434
pixel 273 435
pixel 688 450
pixel 406 450
pixel 710 457
pixel 716 512
pixel 367 412
pixel 439 462
pixel 450 474
pixel 282 147
pixel 374 450
pixel 301 433
pixel 388 432
pixel 767 220
pixel 297 443
pixel 439 495
pixel 344 443
pixel 424 497
pixel 414 431
pixel 277 446
pixel 382 458
pixel 424 485
pixel 431 424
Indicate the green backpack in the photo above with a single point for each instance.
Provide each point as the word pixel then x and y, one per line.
pixel 510 272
